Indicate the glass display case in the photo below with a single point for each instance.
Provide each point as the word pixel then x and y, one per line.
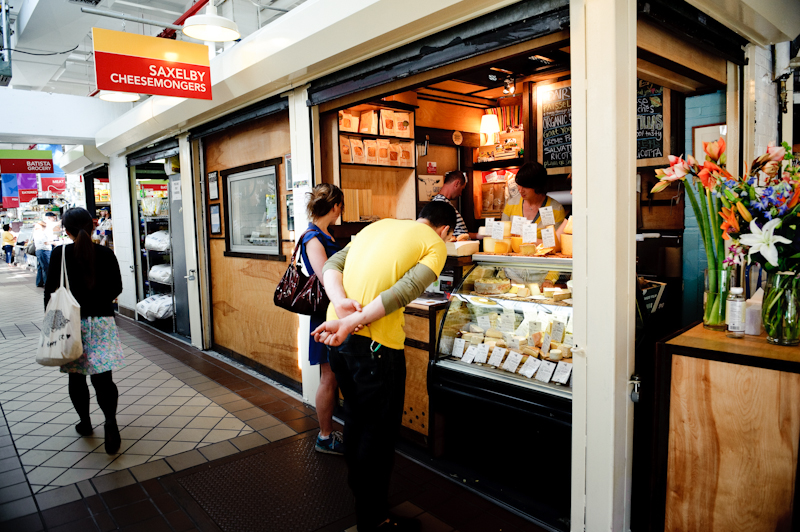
pixel 510 321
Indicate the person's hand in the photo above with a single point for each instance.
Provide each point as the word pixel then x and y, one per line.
pixel 345 307
pixel 334 332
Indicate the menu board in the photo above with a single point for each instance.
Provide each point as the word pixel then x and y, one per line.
pixel 650 122
pixel 554 104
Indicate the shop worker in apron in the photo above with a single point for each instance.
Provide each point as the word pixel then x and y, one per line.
pixel 386 266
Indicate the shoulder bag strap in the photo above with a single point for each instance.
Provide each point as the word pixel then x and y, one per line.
pixel 64 268
pixel 297 248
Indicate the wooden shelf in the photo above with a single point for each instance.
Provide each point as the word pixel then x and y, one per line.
pixel 502 163
pixel 360 165
pixel 371 136
pixel 398 106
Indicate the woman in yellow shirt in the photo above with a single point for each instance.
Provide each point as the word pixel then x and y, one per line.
pixel 532 184
pixel 8 243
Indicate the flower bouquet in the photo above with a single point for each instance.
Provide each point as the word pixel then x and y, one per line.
pixel 756 215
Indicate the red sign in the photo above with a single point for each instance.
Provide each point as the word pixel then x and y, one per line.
pixel 27 195
pixel 155 186
pixel 10 202
pixel 26 162
pixel 54 184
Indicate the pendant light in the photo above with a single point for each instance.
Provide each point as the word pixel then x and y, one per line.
pixel 114 96
pixel 211 27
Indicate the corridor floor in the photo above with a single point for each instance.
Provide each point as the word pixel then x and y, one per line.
pixel 204 445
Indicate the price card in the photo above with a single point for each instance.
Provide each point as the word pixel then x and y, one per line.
pixel 546 344
pixel 545 372
pixel 546 214
pixel 484 322
pixel 497 230
pixel 562 373
pixel 524 328
pixel 549 237
pixel 506 322
pixel 529 314
pixel 512 362
pixel 469 356
pixel 497 356
pixel 516 225
pixel 530 366
pixel 529 233
pixel 513 342
pixel 488 222
pixel 458 347
pixel 535 326
pixel 557 330
pixel 568 339
pixel 482 353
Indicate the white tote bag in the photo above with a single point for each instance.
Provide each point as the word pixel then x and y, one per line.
pixel 60 339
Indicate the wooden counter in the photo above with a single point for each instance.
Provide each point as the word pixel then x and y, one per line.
pixel 730 430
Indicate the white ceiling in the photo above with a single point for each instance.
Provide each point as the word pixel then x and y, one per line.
pixel 46 26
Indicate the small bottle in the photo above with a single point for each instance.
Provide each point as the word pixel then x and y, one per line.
pixel 735 313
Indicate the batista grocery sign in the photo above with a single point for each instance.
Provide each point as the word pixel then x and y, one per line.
pixel 126 62
pixel 26 162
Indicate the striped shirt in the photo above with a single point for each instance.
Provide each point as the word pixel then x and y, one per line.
pixel 461 227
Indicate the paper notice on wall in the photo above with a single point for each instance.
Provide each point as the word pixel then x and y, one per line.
pixel 300 180
pixel 175 194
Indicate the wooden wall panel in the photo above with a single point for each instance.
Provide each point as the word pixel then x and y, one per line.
pixel 733 442
pixel 415 407
pixel 243 315
pixel 447 116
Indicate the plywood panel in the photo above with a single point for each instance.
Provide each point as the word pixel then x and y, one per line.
pixel 447 116
pixel 733 441
pixel 390 195
pixel 445 157
pixel 661 42
pixel 417 328
pixel 415 408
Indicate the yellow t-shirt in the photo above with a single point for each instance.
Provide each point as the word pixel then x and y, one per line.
pixel 514 208
pixel 378 257
pixel 8 238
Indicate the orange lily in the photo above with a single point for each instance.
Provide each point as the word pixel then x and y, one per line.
pixel 707 178
pixel 730 222
pixel 795 198
pixel 746 216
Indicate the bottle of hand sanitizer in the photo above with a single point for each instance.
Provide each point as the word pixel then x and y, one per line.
pixel 735 312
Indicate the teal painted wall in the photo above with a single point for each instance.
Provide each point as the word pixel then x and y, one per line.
pixel 700 111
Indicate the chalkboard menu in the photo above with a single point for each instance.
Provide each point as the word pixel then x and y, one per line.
pixel 555 126
pixel 649 121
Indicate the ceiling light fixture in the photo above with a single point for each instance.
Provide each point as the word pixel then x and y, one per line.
pixel 211 27
pixel 113 96
pixel 509 86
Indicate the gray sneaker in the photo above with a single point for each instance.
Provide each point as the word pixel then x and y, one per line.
pixel 333 444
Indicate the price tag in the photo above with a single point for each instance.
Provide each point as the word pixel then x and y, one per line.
pixel 568 339
pixel 549 237
pixel 469 356
pixel 488 222
pixel 512 362
pixel 458 347
pixel 546 344
pixel 546 213
pixel 530 314
pixel 529 233
pixel 506 322
pixel 482 353
pixel 513 342
pixel 530 366
pixel 562 373
pixel 545 372
pixel 497 356
pixel 516 225
pixel 557 330
pixel 497 230
pixel 535 326
pixel 484 322
pixel 523 329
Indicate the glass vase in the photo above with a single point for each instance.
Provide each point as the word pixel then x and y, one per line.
pixel 714 296
pixel 779 309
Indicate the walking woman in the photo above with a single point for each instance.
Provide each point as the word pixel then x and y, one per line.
pixel 95 281
pixel 8 243
pixel 325 204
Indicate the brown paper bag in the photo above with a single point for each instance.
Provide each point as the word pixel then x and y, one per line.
pixel 407 154
pixel 369 123
pixel 357 147
pixel 402 124
pixel 345 152
pixel 348 122
pixel 394 154
pixel 383 151
pixel 387 122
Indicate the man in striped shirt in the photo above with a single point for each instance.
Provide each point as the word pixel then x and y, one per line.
pixel 454 184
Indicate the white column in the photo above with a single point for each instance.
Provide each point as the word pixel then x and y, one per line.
pixel 121 215
pixel 190 240
pixel 302 165
pixel 603 64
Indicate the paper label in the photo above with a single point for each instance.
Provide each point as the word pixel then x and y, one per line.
pixel 497 356
pixel 530 366
pixel 523 329
pixel 513 342
pixel 549 237
pixel 562 373
pixel 529 314
pixel 469 356
pixel 484 323
pixel 568 339
pixel 535 326
pixel 497 231
pixel 458 347
pixel 512 362
pixel 488 222
pixel 482 353
pixel 546 214
pixel 506 322
pixel 516 225
pixel 557 331
pixel 545 372
pixel 546 344
pixel 529 233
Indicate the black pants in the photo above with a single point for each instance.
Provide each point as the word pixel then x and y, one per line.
pixel 105 391
pixel 373 385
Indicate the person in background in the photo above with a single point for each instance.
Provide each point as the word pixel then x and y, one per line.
pixel 454 184
pixel 43 238
pixel 531 180
pixel 386 266
pixel 8 243
pixel 95 281
pixel 325 204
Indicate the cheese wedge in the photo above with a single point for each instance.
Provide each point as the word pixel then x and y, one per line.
pixel 514 289
pixel 523 292
pixel 494 333
pixel 550 292
pixel 462 248
pixel 528 250
pixel 502 247
pixel 568 228
pixel 534 288
pixel 562 295
pixel 516 242
pixel 475 329
pixel 566 244
pixel 506 229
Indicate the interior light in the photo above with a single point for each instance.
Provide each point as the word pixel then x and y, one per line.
pixel 114 96
pixel 489 126
pixel 211 27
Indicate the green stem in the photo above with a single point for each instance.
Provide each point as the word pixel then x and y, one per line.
pixel 717 225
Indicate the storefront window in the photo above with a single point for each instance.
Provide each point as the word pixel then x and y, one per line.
pixel 253 211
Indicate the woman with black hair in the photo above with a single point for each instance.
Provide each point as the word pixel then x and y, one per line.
pixel 95 282
pixel 531 181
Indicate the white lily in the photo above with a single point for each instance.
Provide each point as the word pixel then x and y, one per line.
pixel 763 241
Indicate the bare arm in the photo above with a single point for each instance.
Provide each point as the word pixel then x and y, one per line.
pixel 316 256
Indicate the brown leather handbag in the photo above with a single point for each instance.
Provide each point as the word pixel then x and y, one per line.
pixel 299 293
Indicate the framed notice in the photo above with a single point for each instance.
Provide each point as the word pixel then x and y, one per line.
pixel 216 220
pixel 213 186
pixel 554 109
pixel 652 124
pixel 710 133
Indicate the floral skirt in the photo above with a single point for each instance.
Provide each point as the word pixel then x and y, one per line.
pixel 102 350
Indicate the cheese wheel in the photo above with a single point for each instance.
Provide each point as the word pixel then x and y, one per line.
pixel 502 247
pixel 566 244
pixel 516 242
pixel 488 244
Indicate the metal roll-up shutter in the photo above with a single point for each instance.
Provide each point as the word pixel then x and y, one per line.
pixel 162 150
pixel 261 109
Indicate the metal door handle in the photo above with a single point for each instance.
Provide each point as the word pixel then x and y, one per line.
pixel 190 276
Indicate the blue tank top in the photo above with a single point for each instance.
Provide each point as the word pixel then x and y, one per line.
pixel 330 246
